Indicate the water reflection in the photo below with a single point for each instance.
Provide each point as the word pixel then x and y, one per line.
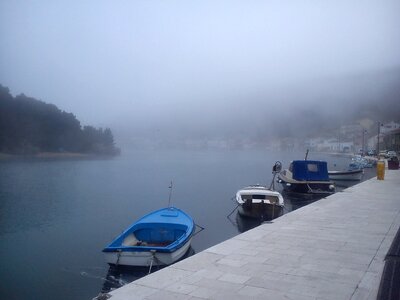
pixel 118 276
pixel 243 224
pixel 343 184
pixel 291 203
pixel 295 201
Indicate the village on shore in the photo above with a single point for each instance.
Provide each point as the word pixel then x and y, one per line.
pixel 357 138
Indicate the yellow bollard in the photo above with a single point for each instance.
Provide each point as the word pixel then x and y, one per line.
pixel 380 170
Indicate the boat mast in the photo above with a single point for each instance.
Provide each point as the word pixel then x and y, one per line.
pixel 170 193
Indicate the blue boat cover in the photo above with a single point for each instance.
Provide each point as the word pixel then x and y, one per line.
pixel 310 170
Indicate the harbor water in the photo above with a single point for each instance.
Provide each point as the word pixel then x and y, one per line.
pixel 57 215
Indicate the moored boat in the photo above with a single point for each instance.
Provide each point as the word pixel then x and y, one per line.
pixel 307 177
pixel 161 237
pixel 349 175
pixel 359 162
pixel 259 202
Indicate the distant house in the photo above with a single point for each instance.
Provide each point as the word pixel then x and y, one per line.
pixel 351 131
pixel 312 144
pixel 334 145
pixel 391 140
pixel 388 138
pixel 346 147
pixel 387 127
pixel 330 145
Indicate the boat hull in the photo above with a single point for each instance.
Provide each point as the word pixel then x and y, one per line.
pixel 146 258
pixel 261 211
pixel 354 175
pixel 305 187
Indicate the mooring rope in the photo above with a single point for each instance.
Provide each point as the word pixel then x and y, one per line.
pixel 154 258
pixel 201 229
pixel 119 255
pixel 233 211
pixel 153 252
pixel 310 189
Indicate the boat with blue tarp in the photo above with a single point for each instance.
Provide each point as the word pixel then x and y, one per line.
pixel 161 237
pixel 307 177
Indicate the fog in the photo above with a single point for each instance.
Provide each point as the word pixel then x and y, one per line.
pixel 203 69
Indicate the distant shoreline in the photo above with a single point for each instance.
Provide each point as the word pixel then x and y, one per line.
pixel 56 155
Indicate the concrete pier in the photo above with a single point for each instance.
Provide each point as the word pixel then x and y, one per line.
pixel 331 249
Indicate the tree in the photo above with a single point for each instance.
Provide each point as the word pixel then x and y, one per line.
pixel 28 126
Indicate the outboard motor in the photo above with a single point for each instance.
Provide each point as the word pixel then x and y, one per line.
pixel 275 170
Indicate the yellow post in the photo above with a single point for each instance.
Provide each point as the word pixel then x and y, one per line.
pixel 380 170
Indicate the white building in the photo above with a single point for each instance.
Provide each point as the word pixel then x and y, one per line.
pixel 333 145
pixel 385 128
pixel 312 144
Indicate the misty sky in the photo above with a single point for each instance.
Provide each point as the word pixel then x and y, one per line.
pixel 188 64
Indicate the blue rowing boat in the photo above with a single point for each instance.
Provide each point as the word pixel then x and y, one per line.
pixel 159 238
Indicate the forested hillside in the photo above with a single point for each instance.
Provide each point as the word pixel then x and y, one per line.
pixel 30 126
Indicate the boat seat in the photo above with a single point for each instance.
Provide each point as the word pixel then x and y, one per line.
pixel 131 240
pixel 160 244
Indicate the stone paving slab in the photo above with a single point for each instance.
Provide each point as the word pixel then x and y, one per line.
pixel 331 249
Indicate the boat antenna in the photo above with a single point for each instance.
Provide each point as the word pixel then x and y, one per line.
pixel 170 193
pixel 306 155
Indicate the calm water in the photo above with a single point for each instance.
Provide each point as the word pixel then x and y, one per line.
pixel 57 215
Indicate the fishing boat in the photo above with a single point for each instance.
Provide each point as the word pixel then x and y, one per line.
pixel 257 201
pixel 359 162
pixel 307 177
pixel 349 175
pixel 159 238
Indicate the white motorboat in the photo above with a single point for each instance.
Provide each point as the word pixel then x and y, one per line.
pixel 349 175
pixel 257 201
